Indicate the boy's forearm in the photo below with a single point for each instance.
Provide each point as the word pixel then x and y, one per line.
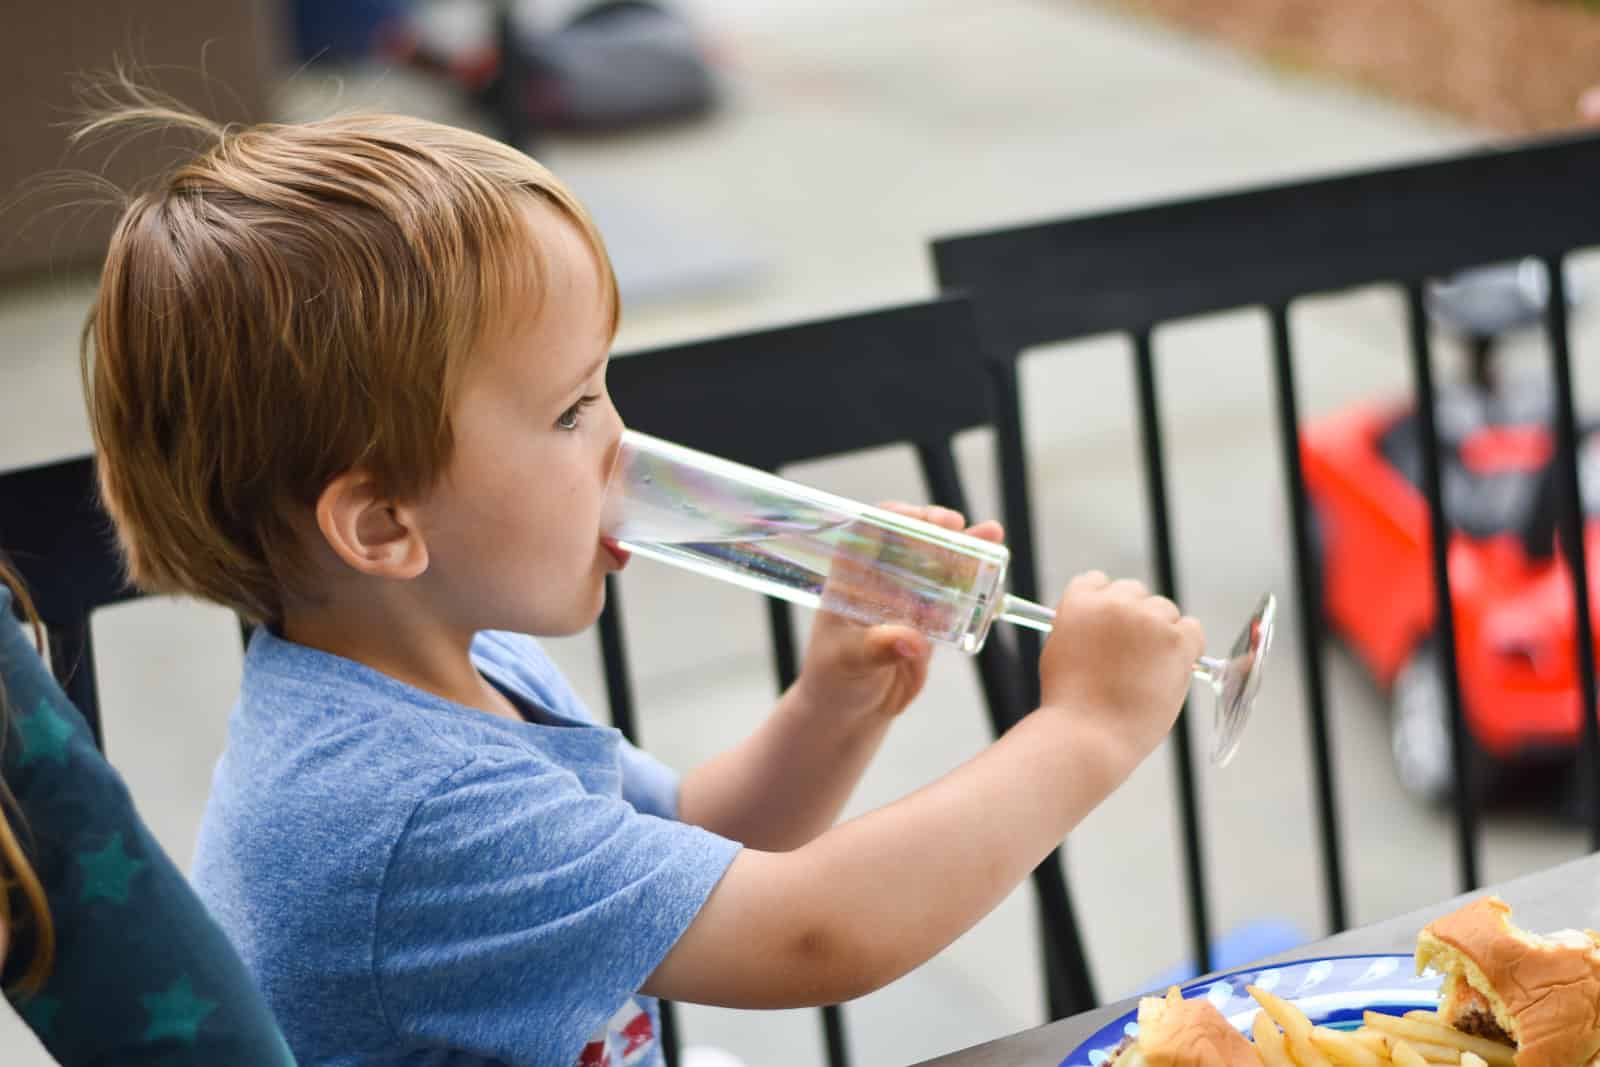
pixel 956 848
pixel 871 899
pixel 785 783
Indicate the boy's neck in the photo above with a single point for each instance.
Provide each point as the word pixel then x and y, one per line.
pixel 425 656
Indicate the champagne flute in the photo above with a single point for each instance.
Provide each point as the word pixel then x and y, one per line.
pixel 742 525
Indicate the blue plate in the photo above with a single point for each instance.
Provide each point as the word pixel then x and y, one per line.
pixel 1333 992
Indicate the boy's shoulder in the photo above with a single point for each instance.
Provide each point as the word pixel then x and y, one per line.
pixel 314 733
pixel 292 697
pixel 297 703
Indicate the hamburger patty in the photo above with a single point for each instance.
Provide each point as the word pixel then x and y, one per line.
pixel 1480 1022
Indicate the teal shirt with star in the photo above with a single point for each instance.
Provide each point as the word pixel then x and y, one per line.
pixel 142 974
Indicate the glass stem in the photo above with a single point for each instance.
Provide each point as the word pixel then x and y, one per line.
pixel 1211 669
pixel 1020 612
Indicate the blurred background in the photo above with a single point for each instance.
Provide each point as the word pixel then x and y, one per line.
pixel 756 163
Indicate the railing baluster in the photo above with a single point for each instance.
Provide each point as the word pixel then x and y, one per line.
pixel 1013 462
pixel 997 663
pixel 786 665
pixel 1167 583
pixel 1439 539
pixel 785 659
pixel 833 1036
pixel 71 651
pixel 1570 523
pixel 1312 621
pixel 1068 988
pixel 619 694
pixel 1078 993
pixel 613 654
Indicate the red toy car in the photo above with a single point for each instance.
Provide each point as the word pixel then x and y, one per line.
pixel 1514 615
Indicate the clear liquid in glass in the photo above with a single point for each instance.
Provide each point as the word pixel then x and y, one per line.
pixel 865 568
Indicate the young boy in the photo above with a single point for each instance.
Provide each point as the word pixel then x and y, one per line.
pixel 348 378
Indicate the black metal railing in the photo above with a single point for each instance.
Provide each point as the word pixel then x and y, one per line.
pixel 1128 271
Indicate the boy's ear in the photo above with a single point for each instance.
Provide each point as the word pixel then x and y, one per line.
pixel 371 533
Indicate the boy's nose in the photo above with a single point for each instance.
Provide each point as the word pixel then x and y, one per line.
pixel 614 454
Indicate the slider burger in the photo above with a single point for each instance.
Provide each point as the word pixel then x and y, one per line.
pixel 1539 995
pixel 1174 1032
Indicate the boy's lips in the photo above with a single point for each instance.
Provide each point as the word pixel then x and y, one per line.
pixel 618 553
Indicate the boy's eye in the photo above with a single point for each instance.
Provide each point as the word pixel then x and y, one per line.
pixel 570 418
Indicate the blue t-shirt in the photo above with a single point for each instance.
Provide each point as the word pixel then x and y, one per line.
pixel 414 881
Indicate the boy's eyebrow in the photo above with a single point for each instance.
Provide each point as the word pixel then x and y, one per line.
pixel 588 373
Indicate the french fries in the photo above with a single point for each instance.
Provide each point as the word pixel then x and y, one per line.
pixel 1296 1028
pixel 1343 1048
pixel 1417 1039
pixel 1404 1055
pixel 1285 1014
pixel 1373 1040
pixel 1437 1033
pixel 1436 1053
pixel 1270 1043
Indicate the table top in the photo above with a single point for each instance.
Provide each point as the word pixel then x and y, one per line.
pixel 1567 896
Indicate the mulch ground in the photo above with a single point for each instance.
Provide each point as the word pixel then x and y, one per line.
pixel 1515 66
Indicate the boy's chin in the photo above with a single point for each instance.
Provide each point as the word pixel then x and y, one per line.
pixel 570 623
pixel 580 612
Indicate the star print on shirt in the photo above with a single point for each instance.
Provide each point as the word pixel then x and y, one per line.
pixel 107 873
pixel 177 1012
pixel 44 735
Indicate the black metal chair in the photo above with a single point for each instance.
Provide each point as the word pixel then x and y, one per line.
pixel 802 392
pixel 63 548
pixel 61 544
pixel 1125 272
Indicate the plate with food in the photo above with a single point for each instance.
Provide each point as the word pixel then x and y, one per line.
pixel 1477 992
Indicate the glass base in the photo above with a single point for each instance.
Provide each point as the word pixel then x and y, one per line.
pixel 1236 679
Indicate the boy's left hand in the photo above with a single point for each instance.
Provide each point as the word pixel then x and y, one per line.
pixel 856 671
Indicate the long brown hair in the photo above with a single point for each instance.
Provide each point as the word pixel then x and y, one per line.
pixel 18 880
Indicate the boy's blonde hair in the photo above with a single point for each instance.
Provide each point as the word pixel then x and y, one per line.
pixel 293 302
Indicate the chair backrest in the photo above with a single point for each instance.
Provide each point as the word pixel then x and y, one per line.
pixel 62 546
pixel 902 375
pixel 1127 271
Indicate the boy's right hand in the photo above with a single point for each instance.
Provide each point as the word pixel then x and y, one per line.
pixel 1120 659
pixel 865 901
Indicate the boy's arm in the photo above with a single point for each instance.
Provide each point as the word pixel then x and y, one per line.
pixel 875 897
pixel 787 782
pixel 869 900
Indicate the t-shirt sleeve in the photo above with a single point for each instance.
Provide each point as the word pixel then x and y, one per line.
pixel 519 911
pixel 141 972
pixel 647 783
